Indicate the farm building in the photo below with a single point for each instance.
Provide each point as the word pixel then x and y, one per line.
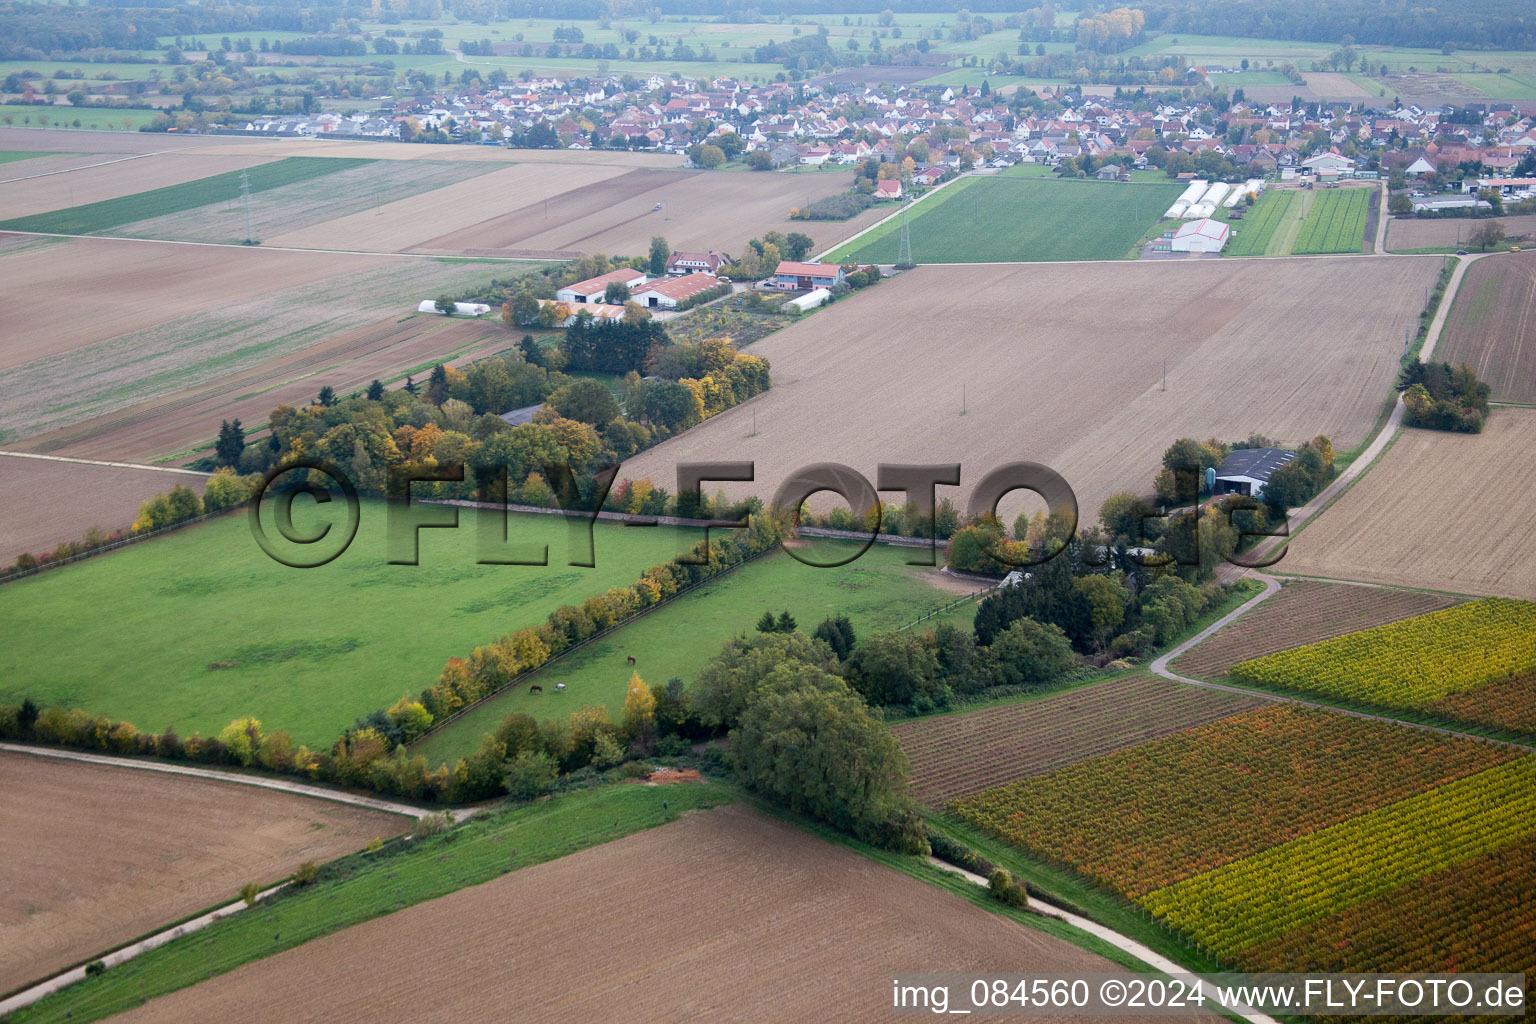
pixel 1328 164
pixel 1248 470
pixel 591 290
pixel 459 308
pixel 671 292
pixel 1204 235
pixel 680 263
pixel 792 275
pixel 567 312
pixel 1504 186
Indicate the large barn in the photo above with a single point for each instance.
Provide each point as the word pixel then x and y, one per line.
pixel 1247 470
pixel 592 289
pixel 1204 235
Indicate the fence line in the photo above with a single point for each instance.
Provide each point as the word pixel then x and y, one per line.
pixel 515 680
pixel 950 606
pixel 121 542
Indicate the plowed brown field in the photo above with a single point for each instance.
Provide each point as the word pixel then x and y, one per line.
pixel 182 420
pixel 1063 365
pixel 1439 510
pixel 1304 612
pixel 1492 325
pixel 700 211
pixel 43 503
pixel 956 756
pixel 722 915
pixel 1444 232
pixel 96 855
pixel 121 287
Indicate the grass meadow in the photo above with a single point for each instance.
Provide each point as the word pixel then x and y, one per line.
pixel 134 634
pixel 1018 220
pixel 877 592
pixel 160 202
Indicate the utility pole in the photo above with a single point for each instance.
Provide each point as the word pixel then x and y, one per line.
pixel 1165 373
pixel 963 408
pixel 245 194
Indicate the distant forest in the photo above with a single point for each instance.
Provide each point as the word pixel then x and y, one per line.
pixel 44 30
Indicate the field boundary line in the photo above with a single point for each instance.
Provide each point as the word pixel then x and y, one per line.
pixel 290 248
pixel 99 462
pixel 1143 953
pixel 82 167
pixel 280 785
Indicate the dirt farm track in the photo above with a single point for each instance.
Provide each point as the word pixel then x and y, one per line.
pixel 699 920
pixel 160 847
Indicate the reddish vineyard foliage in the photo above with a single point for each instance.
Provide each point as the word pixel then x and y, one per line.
pixel 960 755
pixel 1478 916
pixel 1510 704
pixel 1144 818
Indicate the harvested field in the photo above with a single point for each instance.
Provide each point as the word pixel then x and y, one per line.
pixel 472 154
pixel 1448 232
pixel 186 318
pixel 699 211
pixel 43 503
pixel 878 377
pixel 111 177
pixel 1332 85
pixel 739 912
pixel 107 216
pixel 184 420
pixel 161 847
pixel 126 287
pixel 407 222
pixel 373 187
pixel 1438 510
pixel 1492 326
pixel 1304 612
pixel 956 756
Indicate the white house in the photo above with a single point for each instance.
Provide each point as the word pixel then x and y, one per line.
pixel 592 289
pixel 1204 235
pixel 1420 166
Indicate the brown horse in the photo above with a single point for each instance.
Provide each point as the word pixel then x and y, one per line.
pixel 535 688
pixel 631 659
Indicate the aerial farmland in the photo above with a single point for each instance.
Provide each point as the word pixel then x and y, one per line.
pixel 665 514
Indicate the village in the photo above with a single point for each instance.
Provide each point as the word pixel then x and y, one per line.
pixel 785 124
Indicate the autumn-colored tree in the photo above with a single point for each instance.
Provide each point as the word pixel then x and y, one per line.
pixel 410 717
pixel 242 738
pixel 639 707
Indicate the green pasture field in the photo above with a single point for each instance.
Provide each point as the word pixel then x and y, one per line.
pixel 365 886
pixel 1255 234
pixel 878 591
pixel 21 115
pixel 1336 222
pixel 1021 220
pixel 109 213
pixel 11 156
pixel 62 71
pixel 136 634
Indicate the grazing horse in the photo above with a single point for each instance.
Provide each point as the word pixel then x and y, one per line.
pixel 631 659
pixel 559 687
pixel 535 688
